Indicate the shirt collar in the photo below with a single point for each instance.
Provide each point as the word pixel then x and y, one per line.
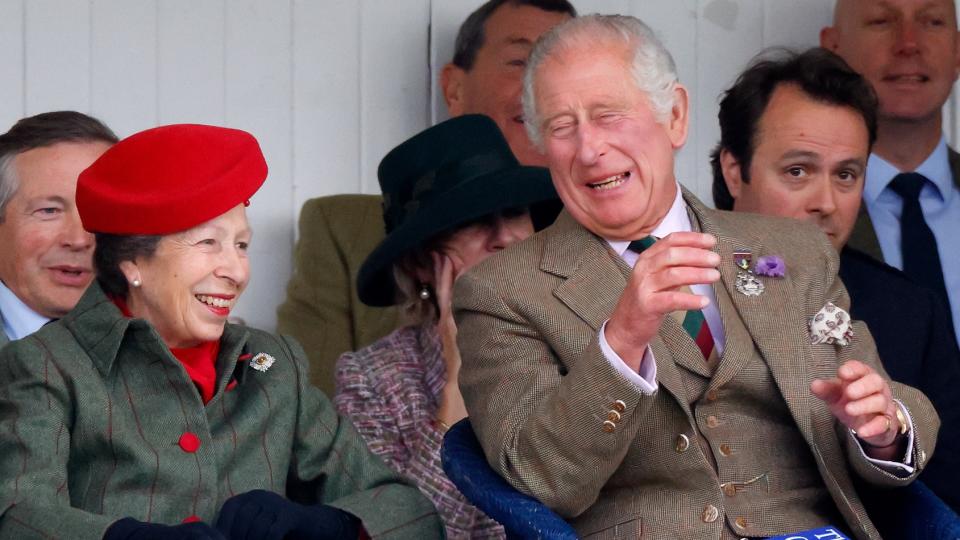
pixel 935 168
pixel 18 319
pixel 676 220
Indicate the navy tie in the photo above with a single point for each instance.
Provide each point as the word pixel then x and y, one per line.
pixel 921 258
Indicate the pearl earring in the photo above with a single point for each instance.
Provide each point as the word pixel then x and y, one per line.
pixel 136 282
pixel 424 293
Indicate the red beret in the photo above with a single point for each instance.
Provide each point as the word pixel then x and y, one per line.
pixel 169 179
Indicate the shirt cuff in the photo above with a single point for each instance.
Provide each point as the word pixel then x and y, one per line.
pixel 903 467
pixel 645 379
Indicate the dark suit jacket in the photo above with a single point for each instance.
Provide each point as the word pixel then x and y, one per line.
pixel 916 345
pixel 864 238
pixel 538 387
pixel 322 309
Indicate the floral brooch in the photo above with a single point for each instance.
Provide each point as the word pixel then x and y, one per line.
pixel 767 266
pixel 262 361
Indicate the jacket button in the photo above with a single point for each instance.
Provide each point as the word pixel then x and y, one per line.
pixel 189 442
pixel 712 421
pixel 712 395
pixel 619 405
pixel 741 522
pixel 710 514
pixel 725 450
pixel 729 490
pixel 683 443
pixel 609 426
pixel 613 416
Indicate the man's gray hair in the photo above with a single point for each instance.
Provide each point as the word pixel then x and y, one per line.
pixel 8 182
pixel 653 68
pixel 44 129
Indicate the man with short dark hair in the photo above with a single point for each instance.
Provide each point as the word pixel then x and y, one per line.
pixel 47 256
pixel 322 309
pixel 796 132
pixel 490 55
pixel 909 50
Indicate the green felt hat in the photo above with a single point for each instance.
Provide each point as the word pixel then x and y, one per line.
pixel 445 176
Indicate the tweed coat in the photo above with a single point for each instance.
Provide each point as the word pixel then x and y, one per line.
pixel 322 310
pixel 98 421
pixel 864 237
pixel 390 391
pixel 538 388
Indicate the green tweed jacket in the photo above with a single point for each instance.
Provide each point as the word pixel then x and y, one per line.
pixel 864 237
pixel 539 390
pixel 322 309
pixel 98 421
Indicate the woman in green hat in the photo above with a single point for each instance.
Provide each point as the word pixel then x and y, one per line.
pixel 453 195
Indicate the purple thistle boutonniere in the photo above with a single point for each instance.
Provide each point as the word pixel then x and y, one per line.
pixel 770 266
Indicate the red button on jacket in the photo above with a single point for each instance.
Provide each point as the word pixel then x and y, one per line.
pixel 189 442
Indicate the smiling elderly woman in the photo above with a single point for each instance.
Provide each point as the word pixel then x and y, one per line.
pixel 144 414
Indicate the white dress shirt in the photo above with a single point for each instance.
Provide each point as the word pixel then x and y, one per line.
pixel 18 319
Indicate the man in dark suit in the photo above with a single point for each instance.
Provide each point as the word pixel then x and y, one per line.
pixel 632 367
pixel 909 50
pixel 337 233
pixel 795 139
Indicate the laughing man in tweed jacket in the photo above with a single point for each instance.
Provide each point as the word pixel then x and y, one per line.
pixel 587 392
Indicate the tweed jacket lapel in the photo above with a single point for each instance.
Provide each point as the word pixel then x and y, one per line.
pixel 594 278
pixel 773 319
pixel 98 326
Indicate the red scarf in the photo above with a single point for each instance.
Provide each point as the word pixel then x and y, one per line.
pixel 200 361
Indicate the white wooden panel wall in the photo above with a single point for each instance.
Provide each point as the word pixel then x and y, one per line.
pixel 329 86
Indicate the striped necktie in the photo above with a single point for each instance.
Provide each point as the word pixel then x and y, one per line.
pixel 693 321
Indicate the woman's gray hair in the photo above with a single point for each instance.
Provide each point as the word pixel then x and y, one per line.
pixel 653 68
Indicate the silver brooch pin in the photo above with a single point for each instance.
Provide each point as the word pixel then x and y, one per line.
pixel 747 283
pixel 262 361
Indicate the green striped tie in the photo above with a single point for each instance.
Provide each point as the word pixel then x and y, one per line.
pixel 694 322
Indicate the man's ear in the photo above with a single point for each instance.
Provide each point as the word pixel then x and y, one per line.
pixel 451 83
pixel 731 173
pixel 828 38
pixel 679 117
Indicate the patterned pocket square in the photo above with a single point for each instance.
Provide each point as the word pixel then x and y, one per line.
pixel 831 325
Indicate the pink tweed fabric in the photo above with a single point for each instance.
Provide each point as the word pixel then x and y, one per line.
pixel 390 391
